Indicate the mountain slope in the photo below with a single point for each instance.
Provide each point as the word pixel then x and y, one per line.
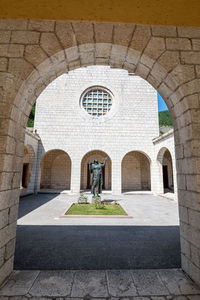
pixel 165 118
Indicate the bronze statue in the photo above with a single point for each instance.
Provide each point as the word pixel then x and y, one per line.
pixel 96 176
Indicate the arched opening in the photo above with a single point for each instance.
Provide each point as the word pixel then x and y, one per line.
pixel 166 170
pixel 86 175
pixel 27 178
pixel 136 172
pixel 77 128
pixel 168 181
pixel 153 72
pixel 25 170
pixel 55 170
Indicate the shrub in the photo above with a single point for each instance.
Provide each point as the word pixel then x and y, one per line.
pixel 82 199
pixel 97 203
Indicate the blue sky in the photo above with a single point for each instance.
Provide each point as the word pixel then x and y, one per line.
pixel 161 103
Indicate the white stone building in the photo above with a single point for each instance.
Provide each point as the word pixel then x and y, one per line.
pixel 94 112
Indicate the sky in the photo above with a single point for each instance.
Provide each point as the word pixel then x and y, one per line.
pixel 161 103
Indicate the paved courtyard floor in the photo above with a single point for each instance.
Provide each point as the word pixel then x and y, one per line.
pixel 104 285
pixel 98 247
pixel 148 240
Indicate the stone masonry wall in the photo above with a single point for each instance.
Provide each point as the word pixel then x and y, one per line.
pixel 135 172
pixel 55 171
pixel 131 124
pixel 33 53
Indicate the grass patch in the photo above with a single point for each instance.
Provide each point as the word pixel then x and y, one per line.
pixel 89 209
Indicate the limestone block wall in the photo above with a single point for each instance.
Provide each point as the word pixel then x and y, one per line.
pixel 61 173
pixel 131 124
pixel 34 52
pixel 55 169
pixel 135 172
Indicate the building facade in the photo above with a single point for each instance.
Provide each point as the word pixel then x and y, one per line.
pixel 98 112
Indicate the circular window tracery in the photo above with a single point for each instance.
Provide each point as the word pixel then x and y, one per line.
pixel 97 101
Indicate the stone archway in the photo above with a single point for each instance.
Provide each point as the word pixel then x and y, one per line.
pixel 26 166
pixel 136 172
pixel 164 159
pixel 168 181
pixel 55 170
pixel 27 178
pixel 157 54
pixel 85 174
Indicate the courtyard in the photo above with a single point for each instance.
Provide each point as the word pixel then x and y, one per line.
pixel 88 257
pixel 148 239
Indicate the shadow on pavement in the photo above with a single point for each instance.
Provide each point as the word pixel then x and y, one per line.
pixel 97 247
pixel 31 202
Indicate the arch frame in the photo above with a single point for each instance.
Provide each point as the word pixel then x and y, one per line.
pixel 139 151
pixel 108 176
pixel 147 157
pixel 159 159
pixel 42 161
pixel 31 171
pixel 172 70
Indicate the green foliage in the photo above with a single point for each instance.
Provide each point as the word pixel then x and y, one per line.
pixel 97 203
pixel 90 209
pixel 165 118
pixel 30 122
pixel 82 199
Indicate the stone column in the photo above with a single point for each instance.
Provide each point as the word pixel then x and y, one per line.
pixel 156 177
pixel 116 177
pixel 11 160
pixel 75 176
pixel 174 177
pixel 40 154
pixel 31 184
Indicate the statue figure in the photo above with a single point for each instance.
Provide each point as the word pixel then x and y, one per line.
pixel 96 176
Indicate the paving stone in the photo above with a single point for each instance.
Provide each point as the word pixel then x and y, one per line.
pixel 89 283
pixel 19 298
pixel 140 298
pixel 149 283
pixel 120 283
pixel 177 283
pixel 180 298
pixel 42 298
pixel 193 297
pixel 158 298
pixel 100 298
pixel 19 283
pixel 53 284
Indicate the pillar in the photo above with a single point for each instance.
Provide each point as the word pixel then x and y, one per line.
pixel 156 177
pixel 75 176
pixel 116 177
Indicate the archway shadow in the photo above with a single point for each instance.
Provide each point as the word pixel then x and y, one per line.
pixel 97 247
pixel 32 202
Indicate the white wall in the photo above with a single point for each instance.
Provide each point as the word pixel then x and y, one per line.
pixel 131 124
